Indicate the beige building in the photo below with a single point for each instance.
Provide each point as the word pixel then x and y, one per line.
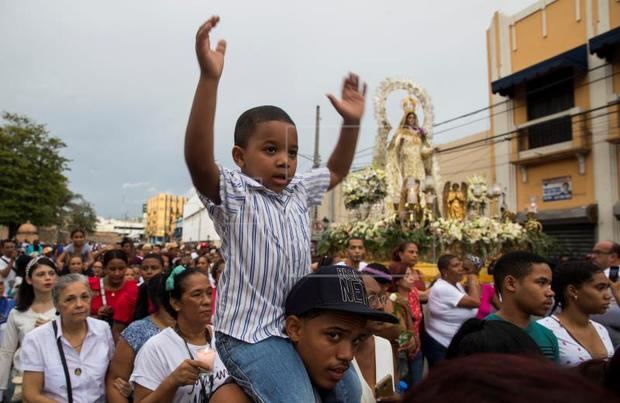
pixel 162 212
pixel 554 122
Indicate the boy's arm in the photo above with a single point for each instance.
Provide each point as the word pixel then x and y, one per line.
pixel 351 108
pixel 199 154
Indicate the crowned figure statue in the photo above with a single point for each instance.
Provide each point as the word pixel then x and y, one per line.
pixel 409 154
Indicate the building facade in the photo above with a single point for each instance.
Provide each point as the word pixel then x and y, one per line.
pixel 197 225
pixel 162 212
pixel 554 127
pixel 133 229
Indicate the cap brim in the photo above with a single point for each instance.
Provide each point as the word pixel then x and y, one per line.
pixel 361 310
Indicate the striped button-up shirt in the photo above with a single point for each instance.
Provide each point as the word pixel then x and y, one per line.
pixel 266 246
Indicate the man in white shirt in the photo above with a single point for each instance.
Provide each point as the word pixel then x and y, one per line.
pixel 606 255
pixel 7 264
pixel 355 254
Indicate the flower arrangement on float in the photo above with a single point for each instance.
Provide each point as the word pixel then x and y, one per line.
pixel 364 187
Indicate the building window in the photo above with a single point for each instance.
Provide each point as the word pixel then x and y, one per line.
pixel 546 96
pixel 550 94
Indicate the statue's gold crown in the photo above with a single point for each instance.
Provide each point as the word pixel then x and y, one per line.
pixel 409 104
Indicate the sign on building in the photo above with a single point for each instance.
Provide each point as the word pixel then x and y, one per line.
pixel 560 188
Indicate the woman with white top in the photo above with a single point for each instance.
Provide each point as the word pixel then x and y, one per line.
pixel 34 308
pixel 448 307
pixel 66 360
pixel 180 364
pixel 581 289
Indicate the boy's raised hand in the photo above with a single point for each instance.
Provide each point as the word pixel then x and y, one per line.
pixel 211 61
pixel 351 106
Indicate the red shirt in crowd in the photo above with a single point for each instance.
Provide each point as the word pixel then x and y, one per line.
pixel 123 301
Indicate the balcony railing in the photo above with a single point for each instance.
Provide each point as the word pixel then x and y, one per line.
pixel 554 136
pixel 553 129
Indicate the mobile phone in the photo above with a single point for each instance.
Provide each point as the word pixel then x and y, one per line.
pixel 613 274
pixel 385 387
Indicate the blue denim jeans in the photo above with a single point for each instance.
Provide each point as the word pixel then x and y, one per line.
pixel 272 371
pixel 416 369
pixel 433 350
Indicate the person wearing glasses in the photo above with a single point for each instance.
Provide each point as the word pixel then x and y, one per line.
pixel 66 359
pixel 374 359
pixel 606 255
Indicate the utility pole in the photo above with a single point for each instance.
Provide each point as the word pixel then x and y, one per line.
pixel 317 157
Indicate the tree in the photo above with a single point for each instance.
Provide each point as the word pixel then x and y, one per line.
pixel 78 213
pixel 32 181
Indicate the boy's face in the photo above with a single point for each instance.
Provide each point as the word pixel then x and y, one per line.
pixel 270 156
pixel 327 344
pixel 532 293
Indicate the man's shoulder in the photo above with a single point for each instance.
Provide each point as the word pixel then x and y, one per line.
pixel 537 328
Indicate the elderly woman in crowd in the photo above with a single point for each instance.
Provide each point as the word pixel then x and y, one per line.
pixel 66 359
pixel 180 364
pixel 34 308
pixel 581 289
pixel 448 307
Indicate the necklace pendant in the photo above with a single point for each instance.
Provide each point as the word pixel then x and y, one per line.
pixel 78 372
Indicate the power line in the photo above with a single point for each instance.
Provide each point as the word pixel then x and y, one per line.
pixel 506 101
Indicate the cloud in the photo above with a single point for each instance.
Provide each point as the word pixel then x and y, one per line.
pixel 129 185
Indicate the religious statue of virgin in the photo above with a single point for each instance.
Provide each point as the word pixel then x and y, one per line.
pixel 408 153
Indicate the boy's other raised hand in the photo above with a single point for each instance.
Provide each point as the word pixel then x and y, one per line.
pixel 211 61
pixel 351 106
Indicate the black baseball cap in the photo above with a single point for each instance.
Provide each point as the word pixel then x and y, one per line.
pixel 333 288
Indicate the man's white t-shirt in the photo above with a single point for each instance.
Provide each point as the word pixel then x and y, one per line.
pixel 444 316
pixel 162 354
pixel 361 265
pixel 9 281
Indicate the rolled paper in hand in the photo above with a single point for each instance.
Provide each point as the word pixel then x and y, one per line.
pixel 207 357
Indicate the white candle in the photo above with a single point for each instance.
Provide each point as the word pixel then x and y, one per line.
pixel 207 357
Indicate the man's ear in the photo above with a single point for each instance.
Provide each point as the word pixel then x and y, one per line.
pixel 238 155
pixel 293 327
pixel 510 284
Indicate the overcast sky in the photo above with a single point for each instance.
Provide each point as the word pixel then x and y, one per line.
pixel 115 79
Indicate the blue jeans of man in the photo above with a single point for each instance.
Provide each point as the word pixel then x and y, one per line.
pixel 272 371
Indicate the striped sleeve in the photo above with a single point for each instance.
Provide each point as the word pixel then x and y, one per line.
pixel 316 183
pixel 232 194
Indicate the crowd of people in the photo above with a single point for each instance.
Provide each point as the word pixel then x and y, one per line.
pixel 262 319
pixel 137 328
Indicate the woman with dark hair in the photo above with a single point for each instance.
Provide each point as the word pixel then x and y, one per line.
pixel 407 253
pixel 109 291
pixel 409 369
pixel 505 378
pixel 581 289
pixel 490 336
pixel 34 308
pixel 448 307
pixel 202 263
pixel 78 246
pixel 152 266
pixel 180 364
pixel 133 338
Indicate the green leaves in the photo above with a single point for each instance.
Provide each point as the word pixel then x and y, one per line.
pixel 33 185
